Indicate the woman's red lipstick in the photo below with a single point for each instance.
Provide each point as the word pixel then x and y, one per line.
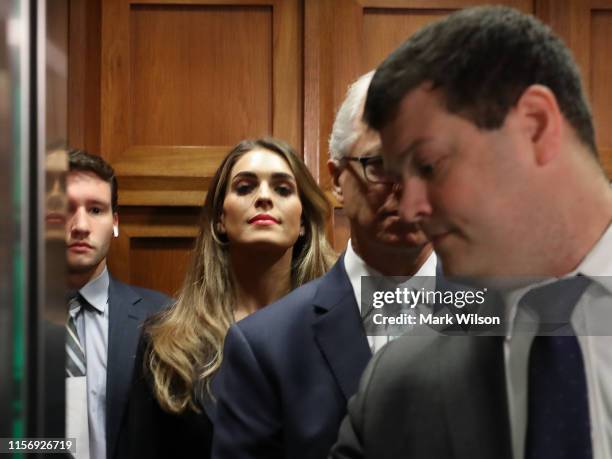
pixel 263 219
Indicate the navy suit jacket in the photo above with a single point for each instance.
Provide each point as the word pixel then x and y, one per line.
pixel 288 371
pixel 128 307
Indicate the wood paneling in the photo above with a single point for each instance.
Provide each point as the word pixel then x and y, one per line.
pixel 601 89
pixel 153 245
pixel 147 255
pixel 385 29
pixel 585 26
pixel 200 75
pixel 346 38
pixel 84 75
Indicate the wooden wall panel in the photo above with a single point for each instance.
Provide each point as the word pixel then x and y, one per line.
pixel 183 79
pixel 201 75
pixel 385 29
pixel 153 246
pixel 601 76
pixel 585 26
pixel 148 254
pixel 84 75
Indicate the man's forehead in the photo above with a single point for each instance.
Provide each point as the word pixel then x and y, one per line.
pixel 87 182
pixel 74 176
pixel 368 142
pixel 411 126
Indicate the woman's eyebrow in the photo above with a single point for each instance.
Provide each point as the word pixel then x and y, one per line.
pixel 283 176
pixel 274 176
pixel 245 174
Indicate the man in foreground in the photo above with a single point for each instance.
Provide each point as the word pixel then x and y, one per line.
pixel 484 115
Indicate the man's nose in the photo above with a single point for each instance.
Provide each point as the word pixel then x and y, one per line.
pixel 414 202
pixel 79 223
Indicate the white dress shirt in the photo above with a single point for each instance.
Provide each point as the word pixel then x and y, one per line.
pixel 92 327
pixel 592 321
pixel 355 268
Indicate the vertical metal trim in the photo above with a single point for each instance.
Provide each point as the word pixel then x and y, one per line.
pixel 38 202
pixel 24 158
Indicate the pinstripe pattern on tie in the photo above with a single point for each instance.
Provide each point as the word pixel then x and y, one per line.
pixel 75 355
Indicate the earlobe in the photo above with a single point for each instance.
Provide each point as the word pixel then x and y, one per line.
pixel 333 166
pixel 541 120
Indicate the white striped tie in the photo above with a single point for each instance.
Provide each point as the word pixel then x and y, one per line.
pixel 75 355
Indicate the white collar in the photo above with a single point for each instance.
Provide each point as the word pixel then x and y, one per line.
pixel 597 266
pixel 96 291
pixel 355 268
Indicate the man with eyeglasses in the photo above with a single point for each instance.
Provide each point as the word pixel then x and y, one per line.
pixel 289 369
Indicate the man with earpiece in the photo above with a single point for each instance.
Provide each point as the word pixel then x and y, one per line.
pixel 104 315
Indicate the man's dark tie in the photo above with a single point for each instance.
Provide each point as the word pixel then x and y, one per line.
pixel 75 354
pixel 558 424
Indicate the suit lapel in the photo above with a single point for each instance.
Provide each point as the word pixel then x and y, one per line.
pixel 474 386
pixel 123 334
pixel 338 329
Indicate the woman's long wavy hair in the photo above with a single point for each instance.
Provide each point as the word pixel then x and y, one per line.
pixel 186 340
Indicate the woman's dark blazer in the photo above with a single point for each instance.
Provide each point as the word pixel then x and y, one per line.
pixel 149 432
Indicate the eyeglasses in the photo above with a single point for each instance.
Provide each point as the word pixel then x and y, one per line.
pixel 373 169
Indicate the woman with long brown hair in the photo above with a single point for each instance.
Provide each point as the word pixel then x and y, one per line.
pixel 262 233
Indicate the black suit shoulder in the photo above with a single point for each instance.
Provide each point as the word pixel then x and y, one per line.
pixel 150 432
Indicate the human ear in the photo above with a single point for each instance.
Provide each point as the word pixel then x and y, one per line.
pixel 220 224
pixel 540 119
pixel 334 168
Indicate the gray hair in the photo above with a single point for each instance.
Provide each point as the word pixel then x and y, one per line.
pixel 344 133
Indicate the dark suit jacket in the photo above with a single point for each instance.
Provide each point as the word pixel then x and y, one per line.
pixel 441 397
pixel 128 307
pixel 288 371
pixel 150 432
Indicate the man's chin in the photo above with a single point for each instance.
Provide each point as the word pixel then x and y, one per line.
pixel 74 268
